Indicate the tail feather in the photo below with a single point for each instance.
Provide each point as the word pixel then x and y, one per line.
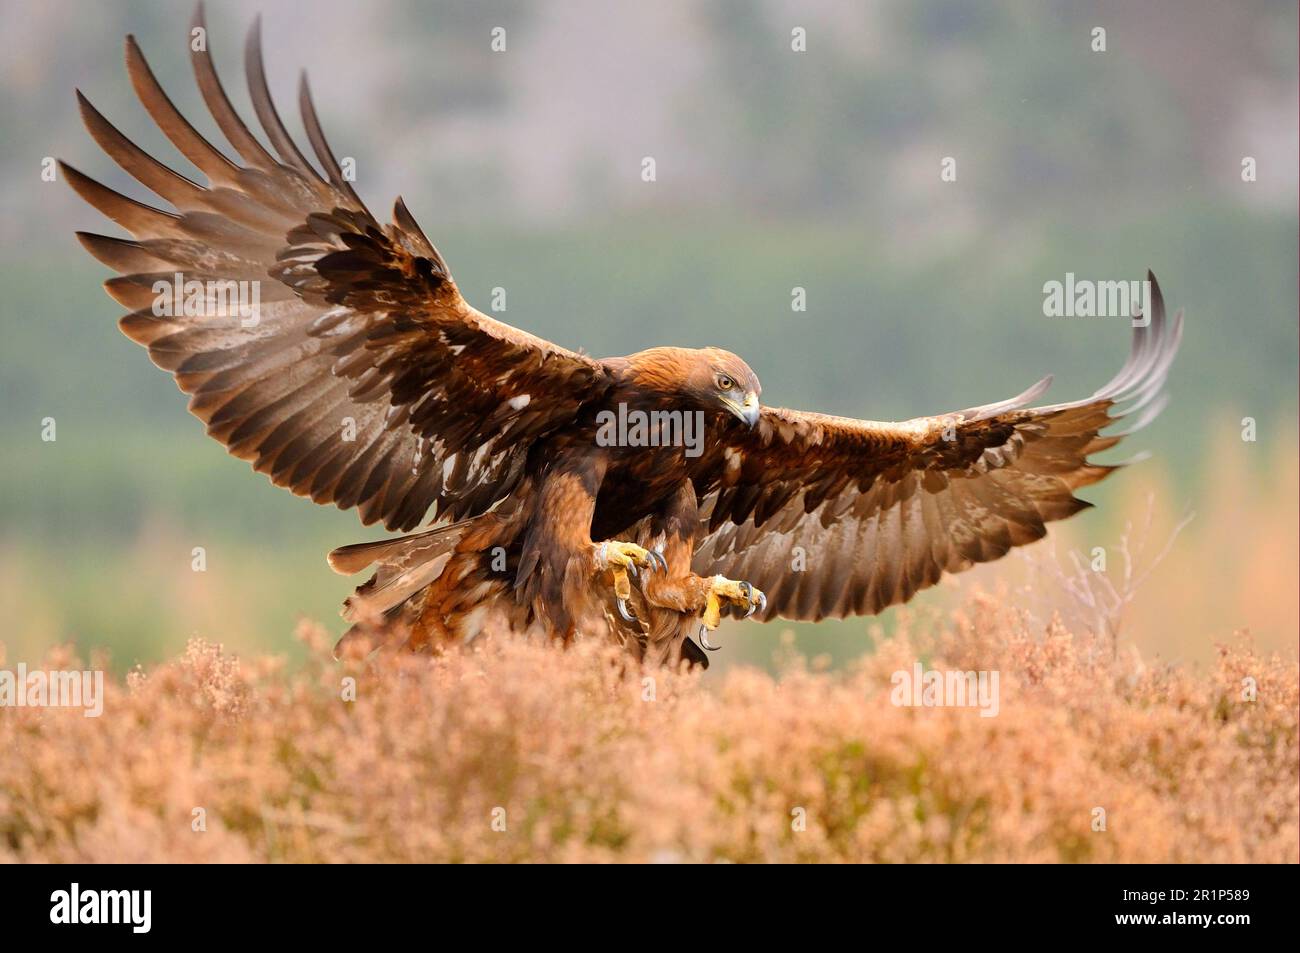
pixel 347 560
pixel 407 565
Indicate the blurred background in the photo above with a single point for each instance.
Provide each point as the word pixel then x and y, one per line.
pixel 775 169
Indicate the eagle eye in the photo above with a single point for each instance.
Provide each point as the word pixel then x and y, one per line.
pixel 725 382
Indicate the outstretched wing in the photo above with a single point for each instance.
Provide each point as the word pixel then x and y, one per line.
pixel 835 517
pixel 362 378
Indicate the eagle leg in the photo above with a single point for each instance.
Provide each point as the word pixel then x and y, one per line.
pixel 621 559
pixel 727 592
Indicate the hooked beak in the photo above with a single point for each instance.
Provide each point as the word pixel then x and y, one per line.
pixel 747 411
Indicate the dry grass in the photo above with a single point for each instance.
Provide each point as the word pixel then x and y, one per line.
pixel 711 769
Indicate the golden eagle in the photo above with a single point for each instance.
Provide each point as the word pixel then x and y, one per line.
pixel 565 495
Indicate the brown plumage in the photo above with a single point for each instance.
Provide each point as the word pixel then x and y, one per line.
pixel 367 381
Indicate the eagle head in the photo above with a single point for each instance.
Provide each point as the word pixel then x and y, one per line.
pixel 708 379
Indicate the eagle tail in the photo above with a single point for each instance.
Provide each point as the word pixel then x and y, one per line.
pixel 347 560
pixel 405 567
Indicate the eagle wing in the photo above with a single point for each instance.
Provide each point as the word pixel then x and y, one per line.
pixel 363 378
pixel 835 517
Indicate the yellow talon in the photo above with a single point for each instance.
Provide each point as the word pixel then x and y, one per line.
pixel 622 585
pixel 741 594
pixel 712 610
pixel 722 589
pixel 622 559
pixel 626 556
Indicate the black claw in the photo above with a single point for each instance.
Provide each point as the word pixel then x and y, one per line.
pixel 762 602
pixel 657 558
pixel 625 612
pixel 704 639
pixel 631 568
